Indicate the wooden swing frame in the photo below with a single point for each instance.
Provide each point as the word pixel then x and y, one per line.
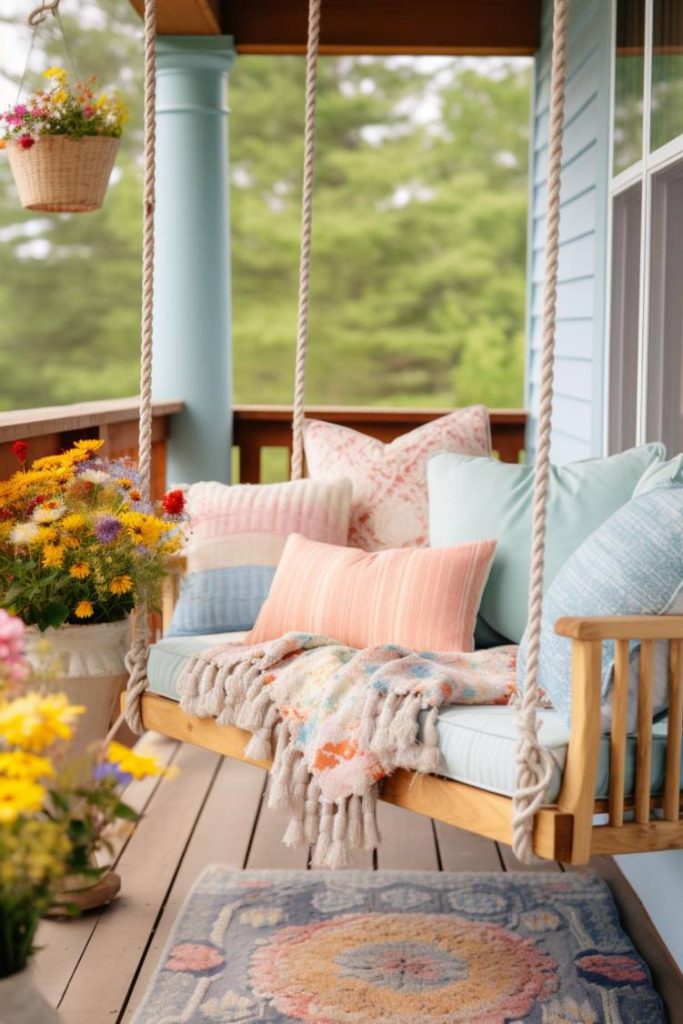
pixel 566 830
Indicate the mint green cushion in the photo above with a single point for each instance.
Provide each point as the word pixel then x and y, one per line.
pixel 478 744
pixel 474 498
pixel 660 474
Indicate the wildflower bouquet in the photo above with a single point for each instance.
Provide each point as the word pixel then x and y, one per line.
pixel 76 109
pixel 77 542
pixel 54 816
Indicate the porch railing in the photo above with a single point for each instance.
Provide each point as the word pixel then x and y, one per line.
pixel 51 430
pixel 259 427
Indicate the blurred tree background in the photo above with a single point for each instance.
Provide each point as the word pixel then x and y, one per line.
pixel 418 287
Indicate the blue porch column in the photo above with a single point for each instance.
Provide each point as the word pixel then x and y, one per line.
pixel 192 301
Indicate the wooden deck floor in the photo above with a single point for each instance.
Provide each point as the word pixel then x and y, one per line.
pixel 96 968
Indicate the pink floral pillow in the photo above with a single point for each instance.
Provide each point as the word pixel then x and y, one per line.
pixel 389 506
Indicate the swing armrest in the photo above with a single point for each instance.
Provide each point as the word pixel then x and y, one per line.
pixel 622 627
pixel 170 590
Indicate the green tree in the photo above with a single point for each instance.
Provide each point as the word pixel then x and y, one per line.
pixel 419 236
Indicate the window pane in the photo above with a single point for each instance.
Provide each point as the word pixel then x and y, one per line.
pixel 626 234
pixel 628 85
pixel 667 72
pixel 665 359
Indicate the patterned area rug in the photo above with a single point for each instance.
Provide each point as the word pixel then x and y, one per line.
pixel 386 947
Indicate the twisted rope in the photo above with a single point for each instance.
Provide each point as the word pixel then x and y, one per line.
pixel 313 52
pixel 533 762
pixel 137 657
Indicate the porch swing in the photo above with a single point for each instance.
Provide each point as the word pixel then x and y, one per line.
pixel 576 824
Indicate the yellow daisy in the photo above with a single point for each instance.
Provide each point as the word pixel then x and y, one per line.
pixel 121 585
pixel 53 556
pixel 19 796
pixel 20 764
pixel 35 721
pixel 79 570
pixel 136 763
pixel 84 610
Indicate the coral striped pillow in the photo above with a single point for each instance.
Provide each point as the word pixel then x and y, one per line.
pixel 237 536
pixel 423 599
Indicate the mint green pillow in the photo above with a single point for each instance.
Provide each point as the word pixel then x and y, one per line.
pixel 474 498
pixel 660 474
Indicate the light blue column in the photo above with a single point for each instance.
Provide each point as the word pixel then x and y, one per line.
pixel 192 300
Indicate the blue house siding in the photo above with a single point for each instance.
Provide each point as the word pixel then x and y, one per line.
pixel 578 407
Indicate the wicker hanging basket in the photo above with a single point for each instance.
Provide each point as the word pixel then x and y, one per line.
pixel 58 174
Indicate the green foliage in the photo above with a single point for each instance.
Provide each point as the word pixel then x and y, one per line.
pixel 419 237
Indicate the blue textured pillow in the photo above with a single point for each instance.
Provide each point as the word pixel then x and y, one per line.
pixel 631 565
pixel 478 498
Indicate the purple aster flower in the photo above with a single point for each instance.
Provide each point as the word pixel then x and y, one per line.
pixel 105 770
pixel 107 529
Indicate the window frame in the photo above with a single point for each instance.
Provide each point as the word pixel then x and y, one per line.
pixel 643 172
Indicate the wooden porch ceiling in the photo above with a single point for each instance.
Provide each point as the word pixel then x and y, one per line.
pixel 483 27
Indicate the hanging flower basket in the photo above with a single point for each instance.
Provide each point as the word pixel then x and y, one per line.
pixel 58 174
pixel 62 142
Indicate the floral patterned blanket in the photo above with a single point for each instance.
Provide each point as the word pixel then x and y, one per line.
pixel 336 720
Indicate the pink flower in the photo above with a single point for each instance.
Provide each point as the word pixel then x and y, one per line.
pixel 25 141
pixel 20 110
pixel 12 657
pixel 88 111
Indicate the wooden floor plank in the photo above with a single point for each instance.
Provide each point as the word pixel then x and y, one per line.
pixel 100 985
pixel 463 851
pixel 511 863
pixel 408 842
pixel 222 835
pixel 267 849
pixel 62 942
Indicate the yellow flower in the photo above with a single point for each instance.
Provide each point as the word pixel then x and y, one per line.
pixel 35 721
pixel 84 610
pixel 53 556
pixel 101 101
pixel 79 571
pixel 73 522
pixel 125 482
pixel 143 529
pixel 121 585
pixel 59 74
pixel 137 764
pixel 20 764
pixel 70 542
pixel 19 796
pixel 61 96
pixel 88 447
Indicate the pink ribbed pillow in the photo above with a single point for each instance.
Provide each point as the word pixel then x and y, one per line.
pixel 390 505
pixel 424 599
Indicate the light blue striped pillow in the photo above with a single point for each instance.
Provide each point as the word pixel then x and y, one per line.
pixel 631 565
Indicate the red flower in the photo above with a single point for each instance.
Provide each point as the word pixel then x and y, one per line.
pixel 173 503
pixel 88 111
pixel 20 449
pixel 25 141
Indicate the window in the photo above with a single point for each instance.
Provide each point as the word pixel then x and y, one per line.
pixel 646 309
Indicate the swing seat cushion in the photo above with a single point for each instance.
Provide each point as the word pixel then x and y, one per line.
pixel 237 535
pixel 581 496
pixel 389 507
pixel 477 742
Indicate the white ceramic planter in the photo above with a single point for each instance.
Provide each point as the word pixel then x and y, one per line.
pixel 22 1003
pixel 88 664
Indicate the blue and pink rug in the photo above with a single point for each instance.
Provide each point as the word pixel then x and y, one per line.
pixel 396 948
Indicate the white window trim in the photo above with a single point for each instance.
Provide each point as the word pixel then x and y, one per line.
pixel 641 172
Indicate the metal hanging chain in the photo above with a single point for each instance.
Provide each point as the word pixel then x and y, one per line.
pixel 312 54
pixel 137 658
pixel 534 768
pixel 35 19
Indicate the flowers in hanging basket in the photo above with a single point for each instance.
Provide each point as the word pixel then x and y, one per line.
pixel 77 542
pixel 76 110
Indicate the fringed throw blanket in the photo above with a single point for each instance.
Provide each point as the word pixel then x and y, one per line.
pixel 336 720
